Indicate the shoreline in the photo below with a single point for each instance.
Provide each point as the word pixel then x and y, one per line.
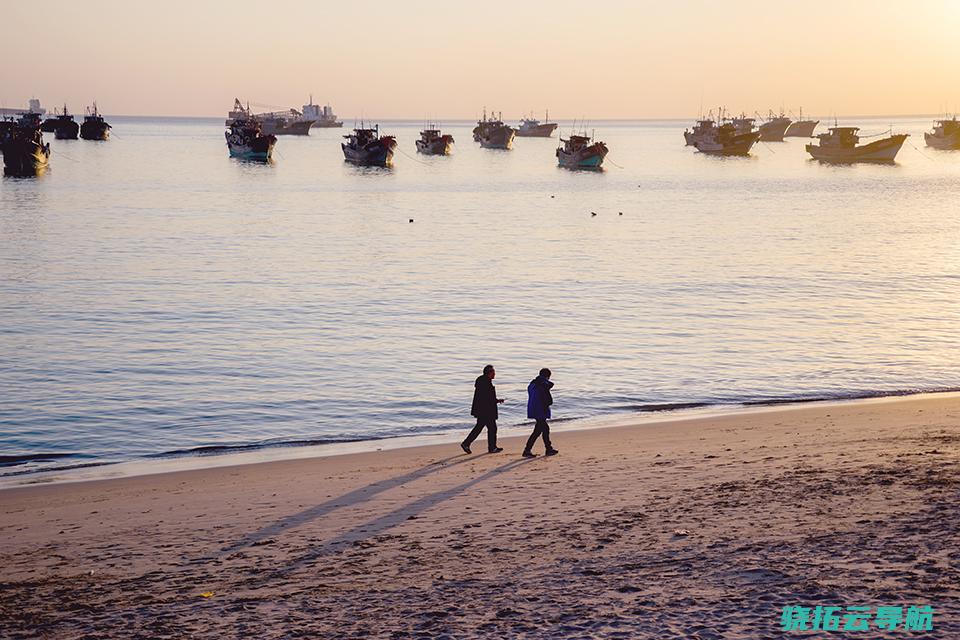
pixel 699 528
pixel 257 454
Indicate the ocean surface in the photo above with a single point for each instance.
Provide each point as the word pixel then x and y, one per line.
pixel 158 298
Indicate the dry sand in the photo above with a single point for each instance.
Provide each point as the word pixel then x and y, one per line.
pixel 844 504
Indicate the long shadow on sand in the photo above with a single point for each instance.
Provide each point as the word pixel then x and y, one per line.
pixel 346 500
pixel 383 523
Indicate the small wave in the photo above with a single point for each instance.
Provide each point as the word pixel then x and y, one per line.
pixel 10 461
pixel 665 406
pixel 852 395
pixel 218 449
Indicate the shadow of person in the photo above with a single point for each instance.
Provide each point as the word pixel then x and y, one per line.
pixel 354 497
pixel 385 522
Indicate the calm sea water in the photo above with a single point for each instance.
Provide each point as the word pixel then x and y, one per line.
pixel 157 296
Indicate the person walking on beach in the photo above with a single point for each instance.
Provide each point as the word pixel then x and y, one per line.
pixel 539 400
pixel 484 409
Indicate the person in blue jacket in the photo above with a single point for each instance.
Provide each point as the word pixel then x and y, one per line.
pixel 539 400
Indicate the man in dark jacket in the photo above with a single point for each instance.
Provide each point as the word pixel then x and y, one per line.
pixel 484 409
pixel 539 400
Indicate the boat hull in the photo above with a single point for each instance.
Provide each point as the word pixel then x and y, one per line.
pixel 440 147
pixel 498 138
pixel 880 151
pixel 25 158
pixel 245 148
pixel 326 124
pixel 291 128
pixel 801 129
pixel 774 130
pixel 539 131
pixel 738 145
pixel 67 131
pixel 590 158
pixel 946 143
pixel 378 153
pixel 94 131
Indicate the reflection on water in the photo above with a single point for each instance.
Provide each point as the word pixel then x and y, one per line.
pixel 156 295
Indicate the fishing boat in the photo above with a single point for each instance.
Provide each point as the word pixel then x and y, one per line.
pixel 288 122
pixel 774 127
pixel 726 140
pixel 24 151
pixel 841 145
pixel 801 128
pixel 433 142
pixel 63 126
pixel 743 124
pixel 701 130
pixel 533 128
pixel 246 140
pixel 94 127
pixel 367 147
pixel 945 135
pixel 492 133
pixel 581 152
pixel 322 117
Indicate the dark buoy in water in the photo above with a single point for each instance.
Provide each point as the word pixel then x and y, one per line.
pixel 411 219
pixel 593 214
pixel 621 213
pixel 553 196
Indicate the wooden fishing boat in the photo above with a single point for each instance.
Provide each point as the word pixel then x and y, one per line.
pixel 580 152
pixel 24 151
pixel 841 145
pixel 945 135
pixel 433 142
pixel 367 147
pixel 246 140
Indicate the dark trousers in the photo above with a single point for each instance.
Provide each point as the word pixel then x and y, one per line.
pixel 491 426
pixel 543 429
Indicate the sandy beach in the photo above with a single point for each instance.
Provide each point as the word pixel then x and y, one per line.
pixel 699 528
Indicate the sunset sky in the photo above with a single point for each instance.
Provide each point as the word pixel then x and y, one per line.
pixel 424 58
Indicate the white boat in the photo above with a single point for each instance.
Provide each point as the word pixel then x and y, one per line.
pixel 801 128
pixel 727 140
pixel 841 145
pixel 533 128
pixel 701 131
pixel 774 128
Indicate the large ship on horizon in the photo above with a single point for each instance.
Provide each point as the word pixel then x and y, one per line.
pixel 33 106
pixel 288 122
pixel 322 117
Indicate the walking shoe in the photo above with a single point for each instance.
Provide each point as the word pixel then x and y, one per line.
pixel 552 452
pixel 529 454
pixel 495 450
pixel 465 447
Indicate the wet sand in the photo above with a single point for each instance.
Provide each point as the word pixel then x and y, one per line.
pixel 701 528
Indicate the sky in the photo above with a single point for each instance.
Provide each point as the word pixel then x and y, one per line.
pixel 428 59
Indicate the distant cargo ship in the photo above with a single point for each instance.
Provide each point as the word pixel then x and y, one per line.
pixel 289 122
pixel 322 117
pixel 33 106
